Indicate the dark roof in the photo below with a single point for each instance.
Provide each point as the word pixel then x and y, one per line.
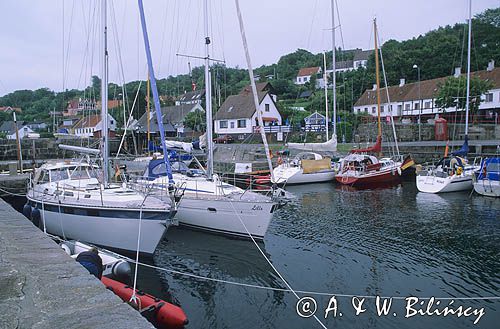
pixel 362 55
pixel 87 121
pixel 428 89
pixel 261 86
pixel 192 96
pixel 7 126
pixel 343 65
pixel 171 115
pixel 305 94
pixel 239 106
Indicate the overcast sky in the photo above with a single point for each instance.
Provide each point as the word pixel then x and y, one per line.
pixel 32 34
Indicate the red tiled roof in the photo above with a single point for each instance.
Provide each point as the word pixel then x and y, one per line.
pixel 9 108
pixel 308 71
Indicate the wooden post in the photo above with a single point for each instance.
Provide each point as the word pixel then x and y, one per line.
pixel 18 144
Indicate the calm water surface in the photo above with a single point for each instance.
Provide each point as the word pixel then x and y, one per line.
pixel 388 242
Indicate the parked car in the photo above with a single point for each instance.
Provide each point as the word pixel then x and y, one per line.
pixel 224 139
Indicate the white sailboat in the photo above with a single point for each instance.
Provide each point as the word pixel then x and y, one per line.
pixel 304 168
pixel 453 173
pixel 487 181
pixel 75 200
pixel 209 204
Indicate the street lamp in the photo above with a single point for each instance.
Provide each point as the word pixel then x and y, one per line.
pixel 415 66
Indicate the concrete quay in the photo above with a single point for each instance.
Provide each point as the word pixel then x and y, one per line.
pixel 43 288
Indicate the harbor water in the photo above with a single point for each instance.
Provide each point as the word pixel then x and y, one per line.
pixel 393 242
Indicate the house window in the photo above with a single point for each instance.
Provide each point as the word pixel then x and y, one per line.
pixel 232 124
pixel 407 107
pixel 416 106
pixel 489 98
pixel 390 108
pixel 223 124
pixel 382 108
pixel 242 123
pixel 427 105
pixel 366 110
pixel 400 107
pixel 267 107
pixel 374 109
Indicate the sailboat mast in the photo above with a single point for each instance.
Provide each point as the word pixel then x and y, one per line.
pixel 154 89
pixel 468 72
pixel 147 113
pixel 325 78
pixel 208 97
pixel 377 75
pixel 334 87
pixel 104 94
pixel 254 90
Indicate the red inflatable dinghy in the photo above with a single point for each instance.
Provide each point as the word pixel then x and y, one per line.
pixel 161 313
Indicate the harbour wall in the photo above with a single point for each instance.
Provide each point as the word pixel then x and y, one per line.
pixel 42 287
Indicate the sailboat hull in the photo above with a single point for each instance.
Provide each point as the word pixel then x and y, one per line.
pixel 435 184
pixel 223 216
pixel 295 175
pixel 487 187
pixel 372 178
pixel 110 232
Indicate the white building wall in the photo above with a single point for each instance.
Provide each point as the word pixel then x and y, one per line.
pixel 232 124
pixel 428 106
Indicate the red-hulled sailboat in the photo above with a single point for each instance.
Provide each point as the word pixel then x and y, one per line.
pixel 361 169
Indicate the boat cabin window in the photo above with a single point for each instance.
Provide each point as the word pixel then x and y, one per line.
pixel 160 170
pixel 44 177
pixel 80 173
pixel 58 174
pixel 493 167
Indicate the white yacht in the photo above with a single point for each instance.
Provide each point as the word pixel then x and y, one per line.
pixel 305 167
pixel 212 205
pixel 451 174
pixel 68 200
pixel 454 173
pixel 487 179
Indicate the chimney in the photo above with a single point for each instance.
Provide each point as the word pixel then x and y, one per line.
pixel 374 86
pixel 402 82
pixel 491 65
pixel 457 72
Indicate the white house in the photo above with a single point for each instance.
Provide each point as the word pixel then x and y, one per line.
pixel 414 99
pixel 8 129
pixel 305 74
pixel 89 125
pixel 238 116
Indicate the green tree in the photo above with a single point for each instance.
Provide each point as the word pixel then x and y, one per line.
pixel 490 16
pixel 452 93
pixel 195 120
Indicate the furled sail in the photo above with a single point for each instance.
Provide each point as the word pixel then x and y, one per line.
pixel 328 146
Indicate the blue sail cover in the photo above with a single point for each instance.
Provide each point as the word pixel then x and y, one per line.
pixel 464 149
pixel 490 169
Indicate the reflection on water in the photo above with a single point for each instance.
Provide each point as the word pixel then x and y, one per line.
pixel 391 242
